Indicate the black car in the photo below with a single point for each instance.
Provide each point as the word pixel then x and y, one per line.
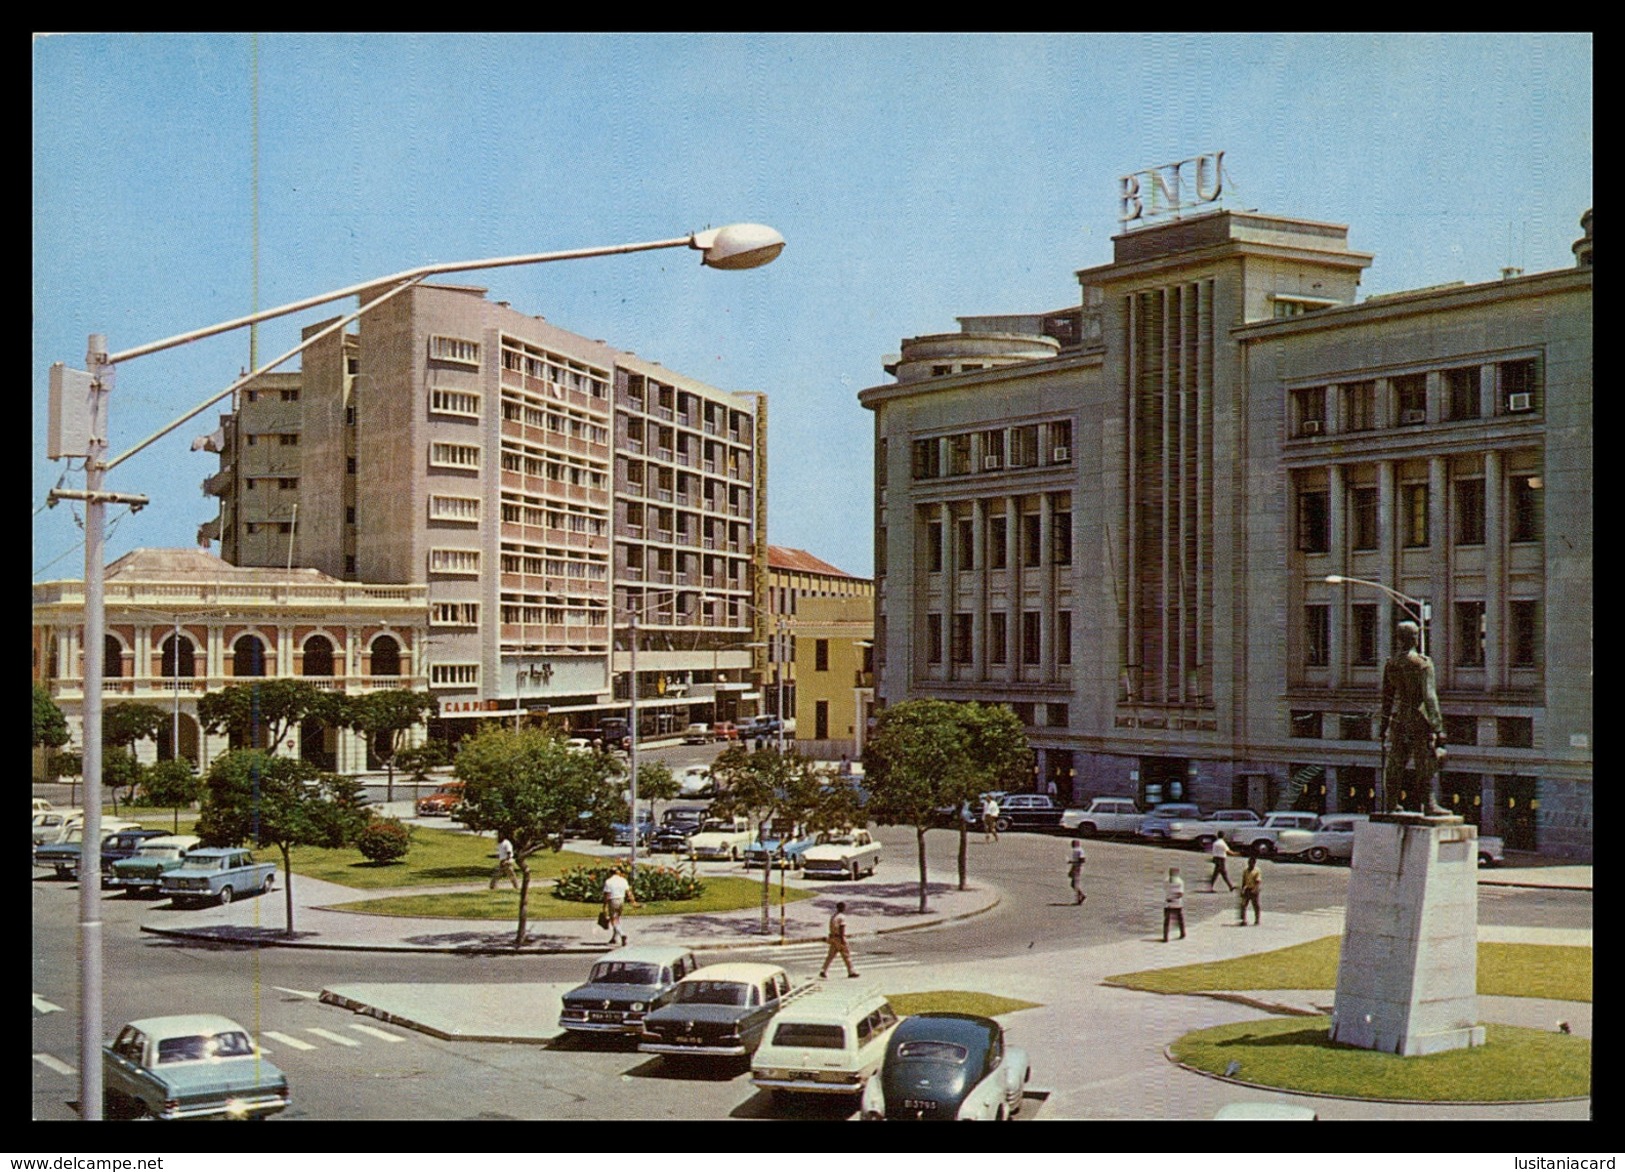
pixel 124 845
pixel 1028 812
pixel 947 1066
pixel 676 825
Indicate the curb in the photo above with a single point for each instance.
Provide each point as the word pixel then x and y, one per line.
pixel 330 998
pixel 205 934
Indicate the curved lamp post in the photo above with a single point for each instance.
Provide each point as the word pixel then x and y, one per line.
pixel 1417 608
pixel 80 399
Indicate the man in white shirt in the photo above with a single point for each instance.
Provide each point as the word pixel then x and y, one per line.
pixel 617 893
pixel 990 820
pixel 1074 870
pixel 1220 850
pixel 1173 903
pixel 504 865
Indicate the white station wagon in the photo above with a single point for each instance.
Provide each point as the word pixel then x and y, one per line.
pixel 828 1043
pixel 841 854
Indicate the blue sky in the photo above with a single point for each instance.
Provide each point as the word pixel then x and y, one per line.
pixel 916 178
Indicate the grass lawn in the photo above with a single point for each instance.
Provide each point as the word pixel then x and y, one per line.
pixel 722 894
pixel 154 817
pixel 438 858
pixel 1295 1054
pixel 1562 972
pixel 956 1001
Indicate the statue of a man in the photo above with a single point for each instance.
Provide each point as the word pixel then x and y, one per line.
pixel 1411 705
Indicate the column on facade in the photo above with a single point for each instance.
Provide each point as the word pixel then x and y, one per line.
pixel 1337 534
pixel 1388 523
pixel 1383 409
pixel 1016 587
pixel 284 650
pixel 951 560
pixel 1441 638
pixel 1489 815
pixel 1046 588
pixel 1334 790
pixel 215 654
pixel 73 666
pixel 1165 694
pixel 1436 403
pixel 142 667
pixel 1495 606
pixel 1131 568
pixel 979 590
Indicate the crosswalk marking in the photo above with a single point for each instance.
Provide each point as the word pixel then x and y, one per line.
pixel 330 1036
pixel 374 1031
pixel 55 1064
pixel 297 992
pixel 288 1040
pixel 43 1006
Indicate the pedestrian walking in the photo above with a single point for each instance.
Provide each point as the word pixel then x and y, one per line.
pixel 1251 881
pixel 837 943
pixel 990 819
pixel 617 894
pixel 1074 871
pixel 1220 851
pixel 504 865
pixel 1173 903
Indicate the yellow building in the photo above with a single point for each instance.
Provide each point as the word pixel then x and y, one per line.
pixel 819 651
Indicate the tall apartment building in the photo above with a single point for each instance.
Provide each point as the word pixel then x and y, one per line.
pixel 551 491
pixel 1120 518
pixel 796 582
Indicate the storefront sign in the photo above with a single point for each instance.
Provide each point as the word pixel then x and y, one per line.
pixel 1171 187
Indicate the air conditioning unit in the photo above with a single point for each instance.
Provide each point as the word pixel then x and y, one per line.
pixel 1521 401
pixel 1413 417
pixel 1061 455
pixel 1309 427
pixel 991 463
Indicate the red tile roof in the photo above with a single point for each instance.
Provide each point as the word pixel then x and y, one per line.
pixel 782 557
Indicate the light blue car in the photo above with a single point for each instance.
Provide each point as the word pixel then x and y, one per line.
pixel 213 874
pixel 784 844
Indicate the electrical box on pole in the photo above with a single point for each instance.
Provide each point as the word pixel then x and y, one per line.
pixel 68 418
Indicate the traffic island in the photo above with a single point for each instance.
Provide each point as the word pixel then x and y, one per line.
pixel 1296 1054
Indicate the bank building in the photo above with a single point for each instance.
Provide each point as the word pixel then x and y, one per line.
pixel 1174 525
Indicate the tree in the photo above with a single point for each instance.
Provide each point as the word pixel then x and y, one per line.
pixel 997 758
pixel 50 726
pixel 119 767
pixel 528 787
pixel 264 711
pixel 283 802
pixel 385 718
pixel 123 725
pixel 766 786
pixel 916 763
pixel 657 783
pixel 419 759
pixel 173 783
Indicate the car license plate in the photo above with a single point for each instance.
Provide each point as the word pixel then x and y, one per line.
pixel 598 1016
pixel 689 1040
pixel 804 1075
pixel 919 1104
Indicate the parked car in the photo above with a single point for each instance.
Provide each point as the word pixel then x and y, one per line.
pixel 724 730
pixel 783 843
pixel 620 833
pixel 152 858
pixel 698 733
pixel 721 838
pixel 696 782
pixel 1200 832
pixel 122 845
pixel 1260 839
pixel 49 825
pixel 623 987
pixel 1490 851
pixel 63 854
pixel 677 825
pixel 441 802
pixel 1103 816
pixel 829 1043
pixel 948 1066
pixel 217 874
pixel 841 854
pixel 1154 825
pixel 41 806
pixel 1028 812
pixel 1332 838
pixel 192 1066
pixel 720 1011
pixel 971 812
pixel 579 745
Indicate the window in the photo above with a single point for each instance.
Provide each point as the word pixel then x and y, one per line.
pixel 1360 406
pixel 349 417
pixel 1306 725
pixel 961 639
pixel 1415 497
pixel 998 541
pixel 290 396
pixel 821 720
pixel 454 673
pixel 1469 634
pixel 349 465
pixel 1060 441
pixel 966 549
pixel 1460 730
pixel 1519 389
pixel 1026 712
pixel 448 402
pixel 443 455
pixel 1523 631
pixel 993 450
pixel 1024 446
pixel 1313 527
pixel 349 515
pixel 820 654
pixel 933 547
pixel 1309 406
pixel 959 454
pixel 1526 511
pixel 1461 392
pixel 1063 639
pixel 454 614
pixel 1364 616
pixel 444 348
pixel 1031 636
pixel 465 509
pixel 454 561
pixel 1030 546
pixel 933 638
pixel 880 552
pixel 349 563
pixel 1317 635
pixel 1411 395
pixel 1061 538
pixel 1515 732
pixel 1056 715
pixel 927 459
pixel 880 463
pixel 997 637
pixel 253 439
pixel 248 656
pixel 288 439
pixel 1469 512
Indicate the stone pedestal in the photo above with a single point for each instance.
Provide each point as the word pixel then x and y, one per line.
pixel 1407 980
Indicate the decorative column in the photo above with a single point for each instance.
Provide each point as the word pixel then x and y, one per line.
pixel 1495 606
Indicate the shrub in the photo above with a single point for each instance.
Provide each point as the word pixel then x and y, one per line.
pixel 651 884
pixel 384 840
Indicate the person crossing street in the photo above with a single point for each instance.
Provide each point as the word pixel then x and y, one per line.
pixel 837 943
pixel 1074 871
pixel 1220 851
pixel 1251 881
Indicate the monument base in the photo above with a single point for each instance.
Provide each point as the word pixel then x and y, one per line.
pixel 1408 974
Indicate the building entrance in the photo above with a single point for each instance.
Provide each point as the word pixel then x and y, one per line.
pixel 1163 779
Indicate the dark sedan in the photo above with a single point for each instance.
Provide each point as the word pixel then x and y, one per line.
pixel 948 1066
pixel 624 987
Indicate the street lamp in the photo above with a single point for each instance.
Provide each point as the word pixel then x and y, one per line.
pixel 78 428
pixel 1417 608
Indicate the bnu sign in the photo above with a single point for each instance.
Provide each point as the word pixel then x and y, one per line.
pixel 1158 189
